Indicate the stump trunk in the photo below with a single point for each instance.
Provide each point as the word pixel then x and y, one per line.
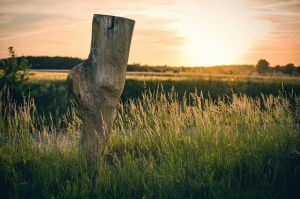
pixel 98 83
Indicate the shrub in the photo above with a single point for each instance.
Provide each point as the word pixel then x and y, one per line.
pixel 262 66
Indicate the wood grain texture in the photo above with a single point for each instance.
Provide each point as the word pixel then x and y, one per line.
pixel 97 84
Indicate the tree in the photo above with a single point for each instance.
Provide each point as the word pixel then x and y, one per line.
pixel 289 69
pixel 13 72
pixel 277 69
pixel 262 66
pixel 297 69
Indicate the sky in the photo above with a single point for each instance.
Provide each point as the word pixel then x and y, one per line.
pixel 167 32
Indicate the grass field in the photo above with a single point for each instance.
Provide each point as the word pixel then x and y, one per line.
pixel 201 137
pixel 49 87
pixel 62 75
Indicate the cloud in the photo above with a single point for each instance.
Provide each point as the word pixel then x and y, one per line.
pixel 154 32
pixel 56 25
pixel 284 19
pixel 9 19
pixel 62 27
pixel 24 24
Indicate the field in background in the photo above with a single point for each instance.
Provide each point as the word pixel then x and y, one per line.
pixel 44 74
pixel 48 87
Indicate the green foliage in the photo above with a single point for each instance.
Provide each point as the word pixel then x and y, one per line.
pixel 58 62
pixel 159 148
pixel 52 97
pixel 262 66
pixel 212 88
pixel 14 72
pixel 14 75
pixel 47 62
pixel 222 69
pixel 289 69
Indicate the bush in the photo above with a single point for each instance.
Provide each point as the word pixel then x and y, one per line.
pixel 262 66
pixel 15 73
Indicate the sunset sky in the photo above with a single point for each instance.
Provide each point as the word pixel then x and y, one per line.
pixel 172 32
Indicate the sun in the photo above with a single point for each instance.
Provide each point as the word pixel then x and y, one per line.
pixel 207 48
pixel 216 33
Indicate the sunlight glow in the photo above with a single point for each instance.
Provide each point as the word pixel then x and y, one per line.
pixel 167 32
pixel 216 33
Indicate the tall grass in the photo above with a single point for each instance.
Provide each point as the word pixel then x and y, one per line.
pixel 51 96
pixel 160 147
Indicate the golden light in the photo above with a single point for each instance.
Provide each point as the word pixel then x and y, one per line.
pixel 217 33
pixel 172 32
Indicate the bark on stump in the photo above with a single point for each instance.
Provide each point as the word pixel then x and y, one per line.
pixel 98 83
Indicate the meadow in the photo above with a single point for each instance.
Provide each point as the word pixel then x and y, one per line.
pixel 189 136
pixel 48 87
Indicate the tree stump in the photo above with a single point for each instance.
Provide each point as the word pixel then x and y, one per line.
pixel 97 83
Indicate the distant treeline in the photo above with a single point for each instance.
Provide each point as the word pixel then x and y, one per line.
pixel 46 62
pixel 222 69
pixel 263 67
pixel 289 69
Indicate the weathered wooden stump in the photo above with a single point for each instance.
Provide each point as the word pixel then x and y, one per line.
pixel 98 83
